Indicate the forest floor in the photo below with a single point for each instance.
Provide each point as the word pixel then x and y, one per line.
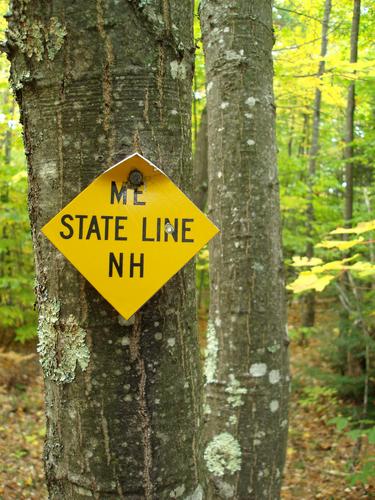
pixel 317 455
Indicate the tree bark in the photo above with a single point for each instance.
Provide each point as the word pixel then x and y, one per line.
pixel 96 81
pixel 349 124
pixel 246 364
pixel 308 318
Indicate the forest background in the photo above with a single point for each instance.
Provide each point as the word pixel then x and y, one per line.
pixel 329 270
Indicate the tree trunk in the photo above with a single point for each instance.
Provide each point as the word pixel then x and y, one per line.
pixel 349 125
pixel 308 318
pixel 200 164
pixel 96 81
pixel 352 363
pixel 246 364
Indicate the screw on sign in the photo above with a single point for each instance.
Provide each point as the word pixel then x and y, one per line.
pixel 129 232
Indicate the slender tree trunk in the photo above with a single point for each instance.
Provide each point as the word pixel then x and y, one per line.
pixel 345 322
pixel 309 310
pixel 96 81
pixel 246 365
pixel 349 125
pixel 201 164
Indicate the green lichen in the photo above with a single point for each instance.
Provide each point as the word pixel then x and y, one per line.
pixel 223 455
pixel 273 348
pixel 235 392
pixel 211 354
pixel 33 38
pixel 54 37
pixel 61 344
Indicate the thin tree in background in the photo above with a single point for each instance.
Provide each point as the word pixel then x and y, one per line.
pixel 246 365
pixel 97 81
pixel 349 124
pixel 308 318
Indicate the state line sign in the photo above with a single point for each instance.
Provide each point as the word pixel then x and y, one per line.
pixel 128 240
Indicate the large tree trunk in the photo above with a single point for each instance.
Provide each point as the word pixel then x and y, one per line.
pixel 96 81
pixel 246 366
pixel 308 318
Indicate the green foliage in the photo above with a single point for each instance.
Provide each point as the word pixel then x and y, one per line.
pixel 358 429
pixel 17 315
pixel 319 397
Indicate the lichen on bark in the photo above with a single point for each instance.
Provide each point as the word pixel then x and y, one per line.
pixel 61 344
pixel 31 36
pixel 223 455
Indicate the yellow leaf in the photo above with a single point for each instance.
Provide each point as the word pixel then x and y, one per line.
pixel 335 265
pixel 304 261
pixel 341 245
pixel 362 227
pixel 363 268
pixel 309 280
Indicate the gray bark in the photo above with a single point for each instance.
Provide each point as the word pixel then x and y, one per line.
pixel 246 365
pixel 95 82
pixel 349 124
pixel 308 318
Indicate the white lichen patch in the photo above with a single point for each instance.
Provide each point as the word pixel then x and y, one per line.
pixel 232 420
pixel 178 70
pixel 171 342
pixel 207 409
pixel 232 55
pixel 211 354
pixel 235 392
pixel 177 492
pixel 223 455
pixel 274 405
pixel 61 344
pixel 274 376
pixel 258 369
pixel 250 142
pixel 209 87
pixel 224 105
pixel 250 101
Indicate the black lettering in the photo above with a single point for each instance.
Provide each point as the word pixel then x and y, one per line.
pixel 67 225
pixel 136 264
pixel 118 265
pixel 173 229
pixel 80 231
pixel 93 228
pixel 144 230
pixel 158 228
pixel 115 193
pixel 118 227
pixel 184 230
pixel 106 219
pixel 136 201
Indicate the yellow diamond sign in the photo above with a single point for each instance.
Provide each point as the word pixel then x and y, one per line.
pixel 129 232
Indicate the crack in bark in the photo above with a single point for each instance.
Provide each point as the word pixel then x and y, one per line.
pixel 107 78
pixel 135 352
